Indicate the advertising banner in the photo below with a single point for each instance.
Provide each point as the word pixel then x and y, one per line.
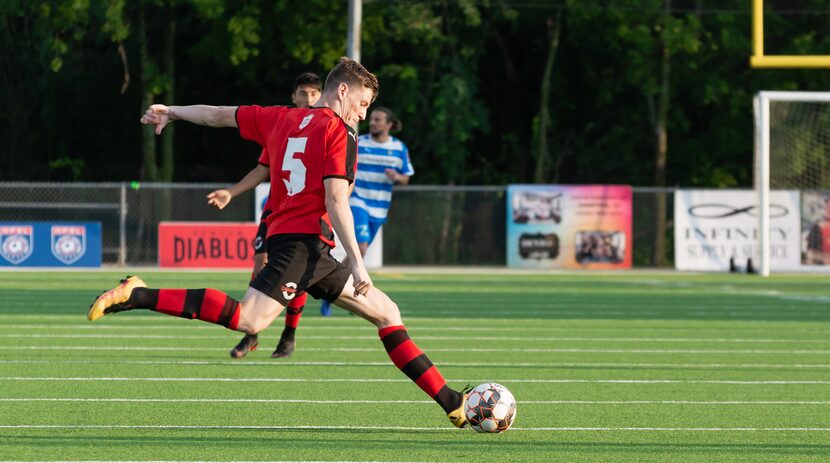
pixel 815 228
pixel 712 227
pixel 50 244
pixel 206 244
pixel 569 226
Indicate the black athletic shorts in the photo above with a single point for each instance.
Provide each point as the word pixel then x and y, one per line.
pixel 261 233
pixel 300 262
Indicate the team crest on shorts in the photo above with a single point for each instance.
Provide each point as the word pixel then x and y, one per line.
pixel 68 242
pixel 16 242
pixel 289 290
pixel 306 120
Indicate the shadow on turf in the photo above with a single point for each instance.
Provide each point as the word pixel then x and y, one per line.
pixel 473 441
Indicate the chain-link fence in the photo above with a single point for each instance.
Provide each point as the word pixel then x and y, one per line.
pixel 428 225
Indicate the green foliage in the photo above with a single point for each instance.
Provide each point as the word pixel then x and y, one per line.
pixel 209 9
pixel 114 23
pixel 74 165
pixel 244 30
pixel 464 76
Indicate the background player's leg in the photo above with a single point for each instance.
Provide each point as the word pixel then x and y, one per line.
pixel 250 342
pixel 381 311
pixel 293 312
pixel 260 260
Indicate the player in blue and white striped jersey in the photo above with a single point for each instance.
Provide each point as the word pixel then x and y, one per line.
pixel 382 161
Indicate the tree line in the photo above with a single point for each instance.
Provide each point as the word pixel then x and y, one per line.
pixel 641 92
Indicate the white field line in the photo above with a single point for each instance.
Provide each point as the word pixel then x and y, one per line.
pixel 431 338
pixel 283 363
pixel 311 326
pixel 384 402
pixel 398 428
pixel 399 380
pixel 443 349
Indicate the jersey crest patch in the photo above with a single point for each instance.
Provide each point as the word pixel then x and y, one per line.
pixel 289 290
pixel 16 243
pixel 306 120
pixel 68 243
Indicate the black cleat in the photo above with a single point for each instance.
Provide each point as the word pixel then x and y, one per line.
pixel 248 343
pixel 285 347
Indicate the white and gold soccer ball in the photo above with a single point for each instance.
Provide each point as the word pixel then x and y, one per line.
pixel 490 408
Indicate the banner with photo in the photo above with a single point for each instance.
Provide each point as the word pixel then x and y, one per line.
pixel 815 228
pixel 714 227
pixel 569 226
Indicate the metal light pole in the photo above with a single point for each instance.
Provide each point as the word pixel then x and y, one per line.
pixel 353 30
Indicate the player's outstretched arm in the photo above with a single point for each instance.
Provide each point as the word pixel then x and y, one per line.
pixel 220 198
pixel 337 205
pixel 212 116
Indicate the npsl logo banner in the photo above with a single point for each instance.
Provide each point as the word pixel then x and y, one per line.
pixel 50 244
pixel 712 227
pixel 68 243
pixel 16 242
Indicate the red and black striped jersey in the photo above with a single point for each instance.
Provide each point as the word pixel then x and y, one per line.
pixel 301 147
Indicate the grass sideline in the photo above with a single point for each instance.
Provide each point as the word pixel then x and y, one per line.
pixel 606 367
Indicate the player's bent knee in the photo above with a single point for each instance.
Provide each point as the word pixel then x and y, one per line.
pixel 252 326
pixel 389 315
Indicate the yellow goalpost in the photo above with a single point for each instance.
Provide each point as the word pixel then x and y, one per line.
pixel 759 60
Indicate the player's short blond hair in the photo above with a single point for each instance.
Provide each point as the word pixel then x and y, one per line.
pixel 350 72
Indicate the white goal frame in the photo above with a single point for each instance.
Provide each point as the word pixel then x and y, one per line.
pixel 761 104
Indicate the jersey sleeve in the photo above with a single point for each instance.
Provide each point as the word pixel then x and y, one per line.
pixel 406 165
pixel 263 158
pixel 255 122
pixel 340 158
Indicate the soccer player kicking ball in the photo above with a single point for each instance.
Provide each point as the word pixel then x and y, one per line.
pixel 311 155
pixel 307 88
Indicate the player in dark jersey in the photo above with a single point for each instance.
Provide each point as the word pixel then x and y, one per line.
pixel 306 92
pixel 311 155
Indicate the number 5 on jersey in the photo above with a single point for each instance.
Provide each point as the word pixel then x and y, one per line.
pixel 295 167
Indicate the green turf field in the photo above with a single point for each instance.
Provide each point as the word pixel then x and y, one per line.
pixel 615 367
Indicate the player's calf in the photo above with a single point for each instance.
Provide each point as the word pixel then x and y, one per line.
pixel 208 304
pixel 415 364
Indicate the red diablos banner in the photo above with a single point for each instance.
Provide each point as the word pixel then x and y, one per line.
pixel 206 244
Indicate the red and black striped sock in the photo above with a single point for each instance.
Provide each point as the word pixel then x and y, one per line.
pixel 209 304
pixel 417 366
pixel 295 310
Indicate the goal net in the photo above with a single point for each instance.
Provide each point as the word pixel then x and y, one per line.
pixel 792 144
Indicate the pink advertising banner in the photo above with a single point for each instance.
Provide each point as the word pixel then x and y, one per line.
pixel 569 226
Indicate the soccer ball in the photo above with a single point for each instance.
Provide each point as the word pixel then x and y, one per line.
pixel 490 408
